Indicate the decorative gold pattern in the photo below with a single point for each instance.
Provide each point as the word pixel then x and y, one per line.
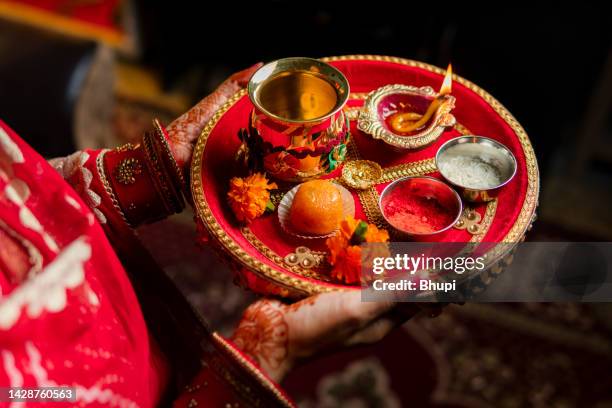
pixel 470 221
pixel 127 170
pixel 108 188
pixel 359 95
pixel 352 112
pixel 361 174
pixel 305 258
pixel 365 196
pixel 369 197
pixel 476 224
pixel 461 129
pixel 277 259
pixel 126 147
pixel 486 222
pixel 370 123
pixel 300 285
pixel 417 168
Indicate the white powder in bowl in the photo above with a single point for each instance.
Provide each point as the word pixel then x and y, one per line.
pixel 477 172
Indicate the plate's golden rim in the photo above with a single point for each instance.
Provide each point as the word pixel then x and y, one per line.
pixel 308 286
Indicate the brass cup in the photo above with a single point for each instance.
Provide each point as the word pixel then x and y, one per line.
pixel 298 115
pixel 298 91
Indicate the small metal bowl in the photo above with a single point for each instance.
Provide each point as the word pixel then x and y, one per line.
pixel 429 187
pixel 494 152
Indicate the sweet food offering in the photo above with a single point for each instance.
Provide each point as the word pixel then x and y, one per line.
pixel 316 208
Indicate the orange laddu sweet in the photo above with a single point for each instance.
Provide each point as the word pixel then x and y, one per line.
pixel 316 208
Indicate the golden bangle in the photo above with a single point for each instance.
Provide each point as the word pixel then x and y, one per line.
pixel 157 175
pixel 165 146
pixel 172 199
pixel 108 188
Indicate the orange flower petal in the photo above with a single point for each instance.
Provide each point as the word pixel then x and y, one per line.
pixel 345 258
pixel 249 197
pixel 373 234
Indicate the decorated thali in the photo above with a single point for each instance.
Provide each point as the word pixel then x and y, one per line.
pixel 270 260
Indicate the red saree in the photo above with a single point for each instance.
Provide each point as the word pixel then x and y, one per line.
pixel 69 315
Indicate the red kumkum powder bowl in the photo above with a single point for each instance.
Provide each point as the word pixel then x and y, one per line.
pixel 420 206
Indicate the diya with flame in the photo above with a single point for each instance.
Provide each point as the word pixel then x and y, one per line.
pixel 408 117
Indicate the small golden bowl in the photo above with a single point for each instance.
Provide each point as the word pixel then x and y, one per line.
pixel 383 102
pixel 361 174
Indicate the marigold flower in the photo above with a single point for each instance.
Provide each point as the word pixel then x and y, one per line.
pixel 373 234
pixel 348 226
pixel 344 257
pixel 336 245
pixel 348 265
pixel 248 197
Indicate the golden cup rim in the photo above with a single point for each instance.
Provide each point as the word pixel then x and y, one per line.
pixel 300 64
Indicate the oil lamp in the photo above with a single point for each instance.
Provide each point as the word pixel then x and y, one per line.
pixel 408 117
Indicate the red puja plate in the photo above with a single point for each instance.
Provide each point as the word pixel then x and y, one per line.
pixel 270 261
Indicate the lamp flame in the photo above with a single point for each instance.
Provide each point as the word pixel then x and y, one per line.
pixel 446 87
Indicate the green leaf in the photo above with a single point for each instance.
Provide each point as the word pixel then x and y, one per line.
pixel 359 234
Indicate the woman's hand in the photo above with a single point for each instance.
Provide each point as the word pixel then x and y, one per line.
pixel 277 335
pixel 184 131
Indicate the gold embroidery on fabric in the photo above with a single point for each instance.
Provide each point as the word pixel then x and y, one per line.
pixel 126 147
pixel 127 170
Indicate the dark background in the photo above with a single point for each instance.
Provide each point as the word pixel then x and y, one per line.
pixel 550 64
pixel 541 62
